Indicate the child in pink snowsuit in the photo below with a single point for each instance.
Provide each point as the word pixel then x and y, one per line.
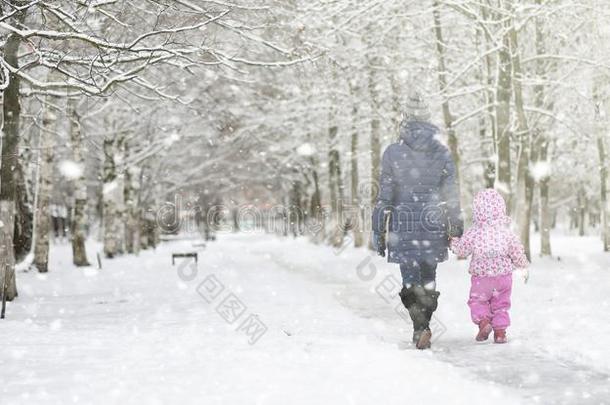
pixel 495 251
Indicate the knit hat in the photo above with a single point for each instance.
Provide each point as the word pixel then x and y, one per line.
pixel 416 108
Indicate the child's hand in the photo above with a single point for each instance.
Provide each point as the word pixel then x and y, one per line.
pixel 525 273
pixel 454 240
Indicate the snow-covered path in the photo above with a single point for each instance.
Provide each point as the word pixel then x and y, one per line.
pixel 143 331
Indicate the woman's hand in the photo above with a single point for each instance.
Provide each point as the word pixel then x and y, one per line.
pixel 379 243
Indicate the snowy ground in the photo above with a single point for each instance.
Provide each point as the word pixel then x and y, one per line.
pixel 142 331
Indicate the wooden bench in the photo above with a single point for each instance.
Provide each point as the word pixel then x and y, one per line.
pixel 191 254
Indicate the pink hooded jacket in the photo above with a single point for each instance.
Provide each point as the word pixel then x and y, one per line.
pixel 495 249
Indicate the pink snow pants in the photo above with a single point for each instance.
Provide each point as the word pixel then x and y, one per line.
pixel 490 298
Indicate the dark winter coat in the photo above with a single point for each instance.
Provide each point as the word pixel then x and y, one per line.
pixel 419 192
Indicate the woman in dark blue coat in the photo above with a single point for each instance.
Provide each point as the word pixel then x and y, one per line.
pixel 418 205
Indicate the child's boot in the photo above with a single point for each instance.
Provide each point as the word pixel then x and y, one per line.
pixel 500 336
pixel 484 330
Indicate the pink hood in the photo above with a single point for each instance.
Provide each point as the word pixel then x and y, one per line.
pixel 489 208
pixel 494 248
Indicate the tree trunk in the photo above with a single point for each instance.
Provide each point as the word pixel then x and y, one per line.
pixel 375 151
pixel 452 139
pixel 333 170
pixel 79 218
pixel 542 142
pixel 236 225
pixel 316 198
pixel 600 129
pixel 8 160
pixel 130 192
pixel 24 217
pixel 295 211
pixel 489 169
pixel 317 216
pixel 545 213
pixel 113 198
pixel 143 231
pixel 582 210
pixel 356 211
pixel 503 100
pixel 45 183
pixel 137 210
pixel 603 178
pixel 396 109
pixel 7 257
pixel 525 181
pixel 109 209
pixel 336 189
pixel 128 196
pixel 442 82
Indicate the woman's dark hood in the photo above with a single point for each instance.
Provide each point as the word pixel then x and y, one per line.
pixel 419 135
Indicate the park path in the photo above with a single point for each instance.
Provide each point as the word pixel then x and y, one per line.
pixel 263 320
